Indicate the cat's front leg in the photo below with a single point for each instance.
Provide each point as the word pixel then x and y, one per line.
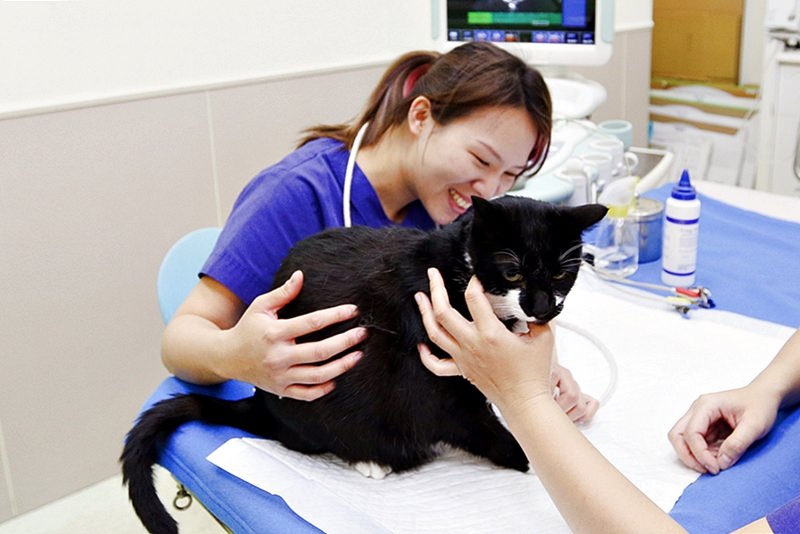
pixel 486 436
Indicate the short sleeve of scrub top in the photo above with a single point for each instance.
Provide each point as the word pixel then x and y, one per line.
pixel 786 519
pixel 295 198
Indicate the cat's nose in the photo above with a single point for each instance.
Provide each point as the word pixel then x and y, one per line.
pixel 541 305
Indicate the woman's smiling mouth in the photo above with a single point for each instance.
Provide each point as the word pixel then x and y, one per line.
pixel 458 199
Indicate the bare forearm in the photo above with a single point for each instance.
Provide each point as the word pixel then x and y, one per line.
pixel 782 376
pixel 192 348
pixel 591 494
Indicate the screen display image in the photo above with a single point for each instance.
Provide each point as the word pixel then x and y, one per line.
pixel 522 21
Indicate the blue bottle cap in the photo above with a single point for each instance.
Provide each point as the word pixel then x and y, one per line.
pixel 684 190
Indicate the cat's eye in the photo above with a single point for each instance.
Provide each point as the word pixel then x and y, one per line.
pixel 512 276
pixel 560 276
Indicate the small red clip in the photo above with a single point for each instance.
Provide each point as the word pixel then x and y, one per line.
pixel 688 291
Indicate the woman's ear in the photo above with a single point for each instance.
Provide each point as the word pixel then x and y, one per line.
pixel 419 115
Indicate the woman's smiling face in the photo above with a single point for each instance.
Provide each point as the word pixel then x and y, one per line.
pixel 480 154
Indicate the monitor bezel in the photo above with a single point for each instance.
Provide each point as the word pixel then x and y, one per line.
pixel 546 54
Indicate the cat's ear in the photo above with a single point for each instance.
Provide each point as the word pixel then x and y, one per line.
pixel 485 214
pixel 481 205
pixel 485 217
pixel 588 214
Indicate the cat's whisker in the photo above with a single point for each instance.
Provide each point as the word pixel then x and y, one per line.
pixel 571 261
pixel 510 253
pixel 571 249
pixel 576 259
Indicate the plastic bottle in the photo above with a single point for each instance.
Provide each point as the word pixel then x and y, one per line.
pixel 681 229
pixel 616 244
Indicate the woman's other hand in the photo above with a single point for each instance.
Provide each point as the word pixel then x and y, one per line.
pixel 719 427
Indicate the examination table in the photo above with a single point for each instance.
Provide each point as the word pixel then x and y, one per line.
pixel 751 264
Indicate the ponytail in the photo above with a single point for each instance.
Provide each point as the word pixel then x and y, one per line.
pixel 470 77
pixel 387 105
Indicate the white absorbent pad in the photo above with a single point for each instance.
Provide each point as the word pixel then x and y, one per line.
pixel 665 361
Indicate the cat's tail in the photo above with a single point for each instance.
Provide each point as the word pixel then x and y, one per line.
pixel 151 430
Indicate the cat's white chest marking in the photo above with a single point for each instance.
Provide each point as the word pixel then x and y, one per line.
pixel 508 306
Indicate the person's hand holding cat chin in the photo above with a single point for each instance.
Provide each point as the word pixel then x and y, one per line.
pixel 578 406
pixel 508 368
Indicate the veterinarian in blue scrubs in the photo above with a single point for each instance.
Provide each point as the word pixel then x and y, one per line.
pixel 436 130
pixel 589 492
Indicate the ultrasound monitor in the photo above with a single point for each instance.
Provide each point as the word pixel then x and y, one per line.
pixel 542 32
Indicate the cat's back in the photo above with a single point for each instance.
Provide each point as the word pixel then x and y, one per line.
pixel 353 265
pixel 337 242
pixel 348 248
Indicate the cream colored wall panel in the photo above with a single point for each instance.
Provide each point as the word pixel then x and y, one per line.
pixel 90 200
pixel 255 126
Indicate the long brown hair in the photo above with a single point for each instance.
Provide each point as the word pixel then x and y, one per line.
pixel 469 77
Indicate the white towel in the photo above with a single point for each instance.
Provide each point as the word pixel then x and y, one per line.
pixel 665 361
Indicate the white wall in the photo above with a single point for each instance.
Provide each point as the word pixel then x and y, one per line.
pixel 62 54
pixel 633 14
pixel 753 38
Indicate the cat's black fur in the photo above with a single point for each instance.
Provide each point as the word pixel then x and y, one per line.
pixel 389 409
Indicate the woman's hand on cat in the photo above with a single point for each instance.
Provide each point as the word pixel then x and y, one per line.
pixel 267 355
pixel 508 368
pixel 579 406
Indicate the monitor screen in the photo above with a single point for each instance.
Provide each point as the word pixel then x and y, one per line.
pixel 544 32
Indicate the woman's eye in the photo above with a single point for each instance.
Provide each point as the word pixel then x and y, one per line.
pixel 560 276
pixel 481 161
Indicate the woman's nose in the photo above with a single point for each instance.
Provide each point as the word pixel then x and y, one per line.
pixel 487 185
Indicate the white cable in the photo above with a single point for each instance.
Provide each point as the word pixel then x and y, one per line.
pixel 348 175
pixel 612 364
pixel 628 287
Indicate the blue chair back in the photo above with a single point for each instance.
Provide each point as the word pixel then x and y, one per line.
pixel 178 272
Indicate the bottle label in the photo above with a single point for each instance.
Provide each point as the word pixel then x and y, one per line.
pixel 680 247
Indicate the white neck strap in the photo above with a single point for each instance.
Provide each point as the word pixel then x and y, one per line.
pixel 348 176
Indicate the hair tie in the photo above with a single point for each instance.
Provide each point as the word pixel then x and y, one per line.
pixel 413 76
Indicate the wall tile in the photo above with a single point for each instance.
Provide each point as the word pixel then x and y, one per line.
pixel 90 200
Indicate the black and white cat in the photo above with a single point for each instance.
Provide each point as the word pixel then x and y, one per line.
pixel 388 413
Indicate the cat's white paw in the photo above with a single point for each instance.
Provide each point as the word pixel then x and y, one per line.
pixel 372 470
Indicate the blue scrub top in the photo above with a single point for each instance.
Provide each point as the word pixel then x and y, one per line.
pixel 295 198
